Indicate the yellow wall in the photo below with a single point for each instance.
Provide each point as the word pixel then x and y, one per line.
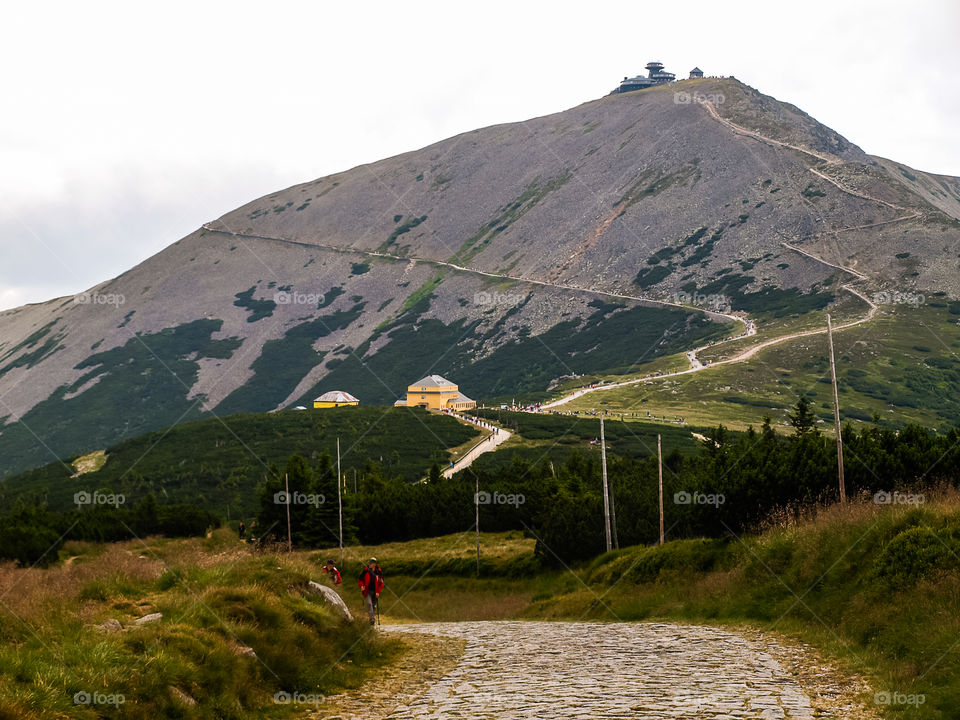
pixel 433 398
pixel 436 397
pixel 320 405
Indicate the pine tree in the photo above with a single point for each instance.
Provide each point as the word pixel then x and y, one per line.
pixel 802 417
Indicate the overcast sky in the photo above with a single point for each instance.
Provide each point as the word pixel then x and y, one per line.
pixel 125 125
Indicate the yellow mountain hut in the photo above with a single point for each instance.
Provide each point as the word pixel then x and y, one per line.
pixel 334 398
pixel 436 393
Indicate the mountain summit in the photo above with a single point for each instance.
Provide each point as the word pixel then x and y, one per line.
pixel 503 258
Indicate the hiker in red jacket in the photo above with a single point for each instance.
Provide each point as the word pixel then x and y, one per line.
pixel 371 585
pixel 331 569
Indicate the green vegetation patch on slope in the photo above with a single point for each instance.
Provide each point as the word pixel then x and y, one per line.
pixel 510 213
pixel 401 229
pixel 259 309
pixel 284 362
pixel 652 182
pixel 162 366
pixel 772 301
pixel 219 462
pixel 29 359
pixel 610 338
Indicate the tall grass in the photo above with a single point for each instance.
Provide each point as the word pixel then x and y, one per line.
pixel 877 587
pixel 236 629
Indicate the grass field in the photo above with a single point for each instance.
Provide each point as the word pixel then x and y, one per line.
pixel 902 367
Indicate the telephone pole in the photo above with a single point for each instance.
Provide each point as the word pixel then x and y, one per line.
pixel 606 494
pixel 660 475
pixel 340 500
pixel 836 413
pixel 476 502
pixel 286 481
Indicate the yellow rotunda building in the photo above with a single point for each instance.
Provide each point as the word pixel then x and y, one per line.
pixel 436 393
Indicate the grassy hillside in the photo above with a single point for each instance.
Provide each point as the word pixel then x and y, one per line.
pixel 219 463
pixel 236 629
pixel 902 367
pixel 555 436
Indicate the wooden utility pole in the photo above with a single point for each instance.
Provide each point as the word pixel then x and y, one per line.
pixel 613 505
pixel 836 413
pixel 340 500
pixel 606 495
pixel 286 481
pixel 660 474
pixel 476 502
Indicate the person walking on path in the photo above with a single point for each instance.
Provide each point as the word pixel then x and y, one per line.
pixel 331 569
pixel 243 530
pixel 371 585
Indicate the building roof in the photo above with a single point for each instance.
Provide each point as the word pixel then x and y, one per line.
pixel 432 381
pixel 336 396
pixel 696 69
pixel 462 398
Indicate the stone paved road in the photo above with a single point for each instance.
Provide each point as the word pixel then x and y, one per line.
pixel 648 671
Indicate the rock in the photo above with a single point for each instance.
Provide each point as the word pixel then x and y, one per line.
pixel 110 625
pixel 146 619
pixel 330 595
pixel 248 651
pixel 180 696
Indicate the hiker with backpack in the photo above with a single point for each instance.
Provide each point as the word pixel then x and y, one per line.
pixel 371 585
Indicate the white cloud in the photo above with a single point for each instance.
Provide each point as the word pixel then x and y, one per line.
pixel 126 125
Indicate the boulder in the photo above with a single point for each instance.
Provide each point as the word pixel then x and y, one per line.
pixel 146 619
pixel 331 596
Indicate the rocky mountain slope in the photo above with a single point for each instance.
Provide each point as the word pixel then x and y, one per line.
pixel 504 258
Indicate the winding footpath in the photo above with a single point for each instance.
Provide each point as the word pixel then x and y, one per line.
pixel 642 671
pixel 697 366
pixel 491 442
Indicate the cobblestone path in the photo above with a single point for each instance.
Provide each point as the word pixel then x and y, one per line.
pixel 648 671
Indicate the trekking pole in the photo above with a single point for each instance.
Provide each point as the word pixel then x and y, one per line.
pixel 378 611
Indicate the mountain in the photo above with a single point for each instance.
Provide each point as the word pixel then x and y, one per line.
pixel 505 258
